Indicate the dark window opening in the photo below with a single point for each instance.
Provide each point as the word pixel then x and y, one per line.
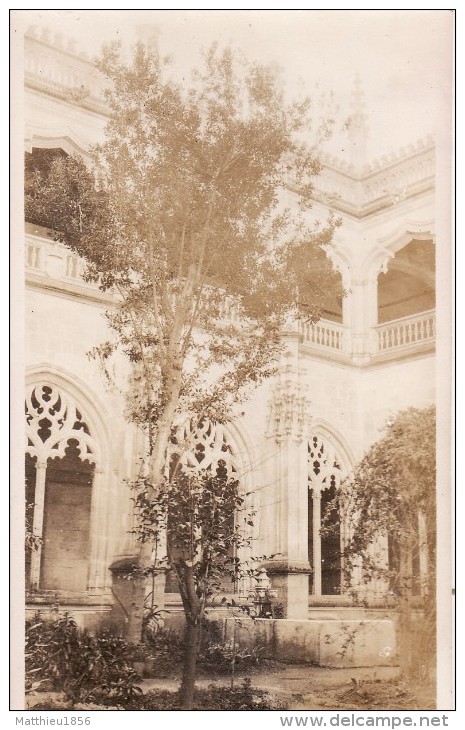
pixel 330 541
pixel 66 526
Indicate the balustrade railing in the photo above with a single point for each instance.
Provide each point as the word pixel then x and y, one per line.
pixel 324 334
pixel 52 259
pixel 406 331
pixel 61 68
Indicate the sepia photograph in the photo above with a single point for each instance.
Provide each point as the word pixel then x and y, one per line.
pixel 232 256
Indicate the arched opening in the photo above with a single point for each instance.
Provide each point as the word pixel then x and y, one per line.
pixel 59 471
pixel 332 309
pixel 205 448
pixel 408 286
pixel 324 525
pixel 66 527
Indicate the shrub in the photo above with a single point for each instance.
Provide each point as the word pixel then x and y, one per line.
pixel 84 667
pixel 221 658
pixel 163 651
pixel 242 697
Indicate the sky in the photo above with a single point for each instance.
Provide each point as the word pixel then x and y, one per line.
pixel 403 58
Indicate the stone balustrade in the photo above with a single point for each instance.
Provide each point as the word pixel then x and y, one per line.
pixel 60 70
pixel 324 335
pixel 52 259
pixel 406 331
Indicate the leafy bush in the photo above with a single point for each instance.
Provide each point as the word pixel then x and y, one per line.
pixel 84 667
pixel 221 658
pixel 163 653
pixel 242 697
pixel 163 650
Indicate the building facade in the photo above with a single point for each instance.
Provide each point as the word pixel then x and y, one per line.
pixel 339 380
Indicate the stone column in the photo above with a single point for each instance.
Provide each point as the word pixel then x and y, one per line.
pixel 288 422
pixel 38 522
pixel 362 302
pixel 97 533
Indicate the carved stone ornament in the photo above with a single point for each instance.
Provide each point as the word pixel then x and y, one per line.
pixel 52 419
pixel 324 468
pixel 289 408
pixel 204 446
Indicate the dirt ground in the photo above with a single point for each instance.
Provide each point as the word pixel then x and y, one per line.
pixel 323 688
pixel 301 687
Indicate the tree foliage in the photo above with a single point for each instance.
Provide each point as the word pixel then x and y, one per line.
pixel 185 220
pixel 391 486
pixel 389 507
pixel 188 225
pixel 202 521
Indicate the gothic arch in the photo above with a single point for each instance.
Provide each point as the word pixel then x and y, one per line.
pixel 228 434
pixel 87 402
pixel 323 428
pixel 328 462
pixel 377 262
pixel 63 423
pixel 339 256
pixel 207 444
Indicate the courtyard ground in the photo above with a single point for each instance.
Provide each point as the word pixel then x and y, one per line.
pixel 306 687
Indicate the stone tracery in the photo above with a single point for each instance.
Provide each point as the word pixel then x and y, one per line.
pixel 324 477
pixel 52 419
pixel 203 446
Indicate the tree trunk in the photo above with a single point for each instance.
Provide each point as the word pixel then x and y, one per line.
pixel 136 612
pixel 164 428
pixel 192 642
pixel 158 467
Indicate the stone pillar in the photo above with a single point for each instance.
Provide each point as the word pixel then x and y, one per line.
pixel 38 522
pixel 288 423
pixel 362 294
pixel 97 534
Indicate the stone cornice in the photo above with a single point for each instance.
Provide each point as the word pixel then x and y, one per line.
pixel 67 95
pixel 361 194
